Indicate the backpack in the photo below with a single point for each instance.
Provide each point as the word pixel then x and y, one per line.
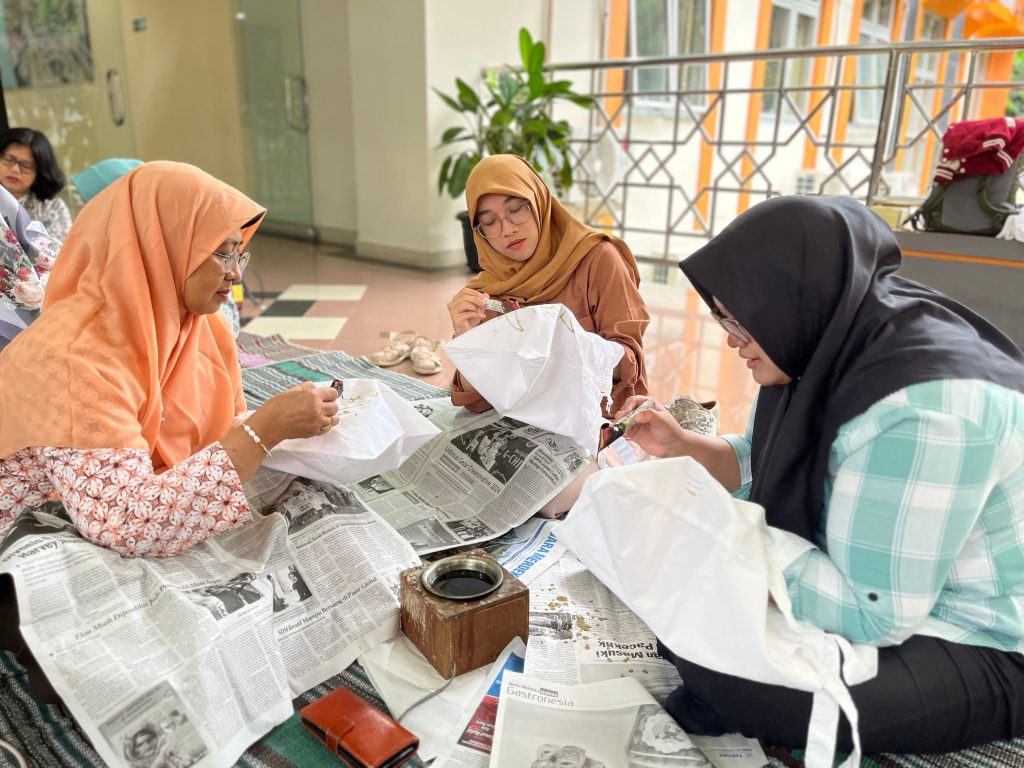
pixel 970 205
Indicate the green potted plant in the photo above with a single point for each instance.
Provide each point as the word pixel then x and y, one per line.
pixel 513 116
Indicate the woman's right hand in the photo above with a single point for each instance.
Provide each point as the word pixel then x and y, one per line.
pixel 654 429
pixel 467 310
pixel 302 411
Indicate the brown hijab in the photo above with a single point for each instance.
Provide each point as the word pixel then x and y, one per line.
pixel 563 243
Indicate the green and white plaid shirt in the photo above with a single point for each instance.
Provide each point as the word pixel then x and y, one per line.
pixel 923 529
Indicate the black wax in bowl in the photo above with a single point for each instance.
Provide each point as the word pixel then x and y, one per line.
pixel 462 577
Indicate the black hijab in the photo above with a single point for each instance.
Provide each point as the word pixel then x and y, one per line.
pixel 813 280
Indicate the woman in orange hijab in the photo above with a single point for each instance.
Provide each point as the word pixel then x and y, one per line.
pixel 533 250
pixel 133 374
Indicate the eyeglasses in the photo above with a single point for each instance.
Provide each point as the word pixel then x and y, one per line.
pixel 492 226
pixel 731 327
pixel 10 161
pixel 230 260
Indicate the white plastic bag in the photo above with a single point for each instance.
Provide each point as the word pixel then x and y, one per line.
pixel 539 366
pixel 377 430
pixel 699 566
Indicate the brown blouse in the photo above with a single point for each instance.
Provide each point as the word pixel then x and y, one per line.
pixel 604 298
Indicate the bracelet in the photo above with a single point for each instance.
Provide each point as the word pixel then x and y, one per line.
pixel 256 439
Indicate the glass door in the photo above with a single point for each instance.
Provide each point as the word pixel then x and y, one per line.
pixel 62 74
pixel 275 113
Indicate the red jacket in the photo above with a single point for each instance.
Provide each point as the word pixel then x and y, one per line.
pixel 979 146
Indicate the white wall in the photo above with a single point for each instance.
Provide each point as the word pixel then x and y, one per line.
pixel 389 119
pixel 463 36
pixel 325 40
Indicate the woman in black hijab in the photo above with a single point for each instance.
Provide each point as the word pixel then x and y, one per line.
pixel 889 432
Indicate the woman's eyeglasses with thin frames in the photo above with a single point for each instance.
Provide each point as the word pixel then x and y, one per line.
pixel 731 327
pixel 230 260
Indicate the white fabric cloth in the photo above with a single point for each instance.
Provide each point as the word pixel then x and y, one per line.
pixel 1013 228
pixel 539 366
pixel 377 430
pixel 705 572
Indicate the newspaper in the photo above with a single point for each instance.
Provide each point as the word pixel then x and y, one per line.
pixel 580 632
pixel 484 475
pixel 470 742
pixel 267 376
pixel 187 660
pixel 610 724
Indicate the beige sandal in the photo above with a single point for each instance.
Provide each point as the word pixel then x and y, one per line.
pixel 395 351
pixel 425 360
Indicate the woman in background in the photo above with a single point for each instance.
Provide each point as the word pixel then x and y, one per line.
pixel 533 250
pixel 29 171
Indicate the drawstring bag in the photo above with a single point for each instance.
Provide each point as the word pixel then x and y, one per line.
pixel 705 572
pixel 539 366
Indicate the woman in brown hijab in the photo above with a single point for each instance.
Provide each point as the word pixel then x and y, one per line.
pixel 533 250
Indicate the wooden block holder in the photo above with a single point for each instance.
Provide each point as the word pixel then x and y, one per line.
pixel 465 633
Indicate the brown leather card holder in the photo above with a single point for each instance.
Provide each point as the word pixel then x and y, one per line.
pixel 357 732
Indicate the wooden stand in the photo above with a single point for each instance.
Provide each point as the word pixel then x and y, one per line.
pixel 463 634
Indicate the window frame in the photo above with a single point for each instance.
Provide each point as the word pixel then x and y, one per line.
pixel 796 9
pixel 868 105
pixel 665 103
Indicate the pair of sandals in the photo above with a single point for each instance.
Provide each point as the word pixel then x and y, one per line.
pixel 408 345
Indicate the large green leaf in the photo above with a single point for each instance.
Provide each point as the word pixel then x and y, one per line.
pixel 537 84
pixel 452 134
pixel 449 101
pixel 507 87
pixel 501 118
pixel 467 96
pixel 536 62
pixel 559 86
pixel 581 100
pixel 460 172
pixel 522 96
pixel 525 46
pixel 442 177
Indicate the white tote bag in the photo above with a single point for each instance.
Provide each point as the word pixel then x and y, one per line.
pixel 539 366
pixel 377 430
pixel 699 567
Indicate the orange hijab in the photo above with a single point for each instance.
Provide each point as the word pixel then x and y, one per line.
pixel 563 243
pixel 110 363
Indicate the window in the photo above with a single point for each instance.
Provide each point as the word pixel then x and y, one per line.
pixel 669 28
pixel 794 24
pixel 926 72
pixel 933 27
pixel 875 27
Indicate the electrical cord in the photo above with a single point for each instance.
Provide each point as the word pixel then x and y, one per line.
pixel 428 697
pixel 17 755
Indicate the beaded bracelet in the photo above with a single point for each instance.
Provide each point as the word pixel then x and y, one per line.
pixel 256 439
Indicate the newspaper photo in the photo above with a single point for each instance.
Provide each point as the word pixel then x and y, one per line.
pixel 192 658
pixel 580 632
pixel 481 477
pixel 610 724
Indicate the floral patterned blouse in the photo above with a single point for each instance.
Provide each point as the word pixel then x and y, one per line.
pixel 52 213
pixel 116 499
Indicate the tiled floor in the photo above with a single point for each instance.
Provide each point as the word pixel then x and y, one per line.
pixel 322 297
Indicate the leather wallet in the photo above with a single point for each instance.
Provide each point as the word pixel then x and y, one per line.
pixel 357 732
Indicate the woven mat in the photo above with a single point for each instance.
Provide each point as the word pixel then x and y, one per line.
pixel 48 737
